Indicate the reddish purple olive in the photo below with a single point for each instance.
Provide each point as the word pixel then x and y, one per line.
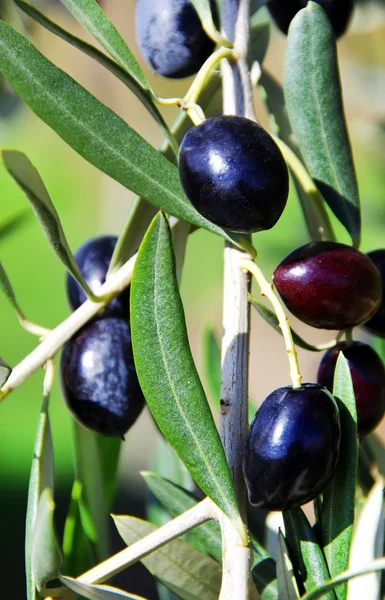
pixel 292 448
pixel 338 11
pixel 376 324
pixel 368 377
pixel 329 285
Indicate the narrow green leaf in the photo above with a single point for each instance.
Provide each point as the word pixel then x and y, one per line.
pixel 368 544
pixel 287 586
pixel 106 141
pixel 144 94
pixel 94 20
pixel 96 592
pixel 182 569
pixel 338 497
pixel 12 224
pixel 6 288
pixel 259 42
pixel 212 363
pixel 264 573
pixel 5 371
pixel 29 180
pixel 166 370
pixel 177 500
pixel 166 463
pixel 314 102
pixel 41 477
pixel 203 9
pixel 75 543
pixel 46 556
pixel 305 552
pixel 271 318
pixel 377 565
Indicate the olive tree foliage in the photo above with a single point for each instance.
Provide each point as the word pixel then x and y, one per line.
pixel 223 557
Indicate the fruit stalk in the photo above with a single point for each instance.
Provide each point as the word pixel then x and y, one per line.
pixel 236 320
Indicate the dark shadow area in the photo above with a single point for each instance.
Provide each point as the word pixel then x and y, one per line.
pixel 344 210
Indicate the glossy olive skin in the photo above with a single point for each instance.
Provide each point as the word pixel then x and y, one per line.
pixel 329 285
pixel 98 377
pixel 234 174
pixel 93 259
pixel 368 376
pixel 338 11
pixel 376 324
pixel 292 447
pixel 171 37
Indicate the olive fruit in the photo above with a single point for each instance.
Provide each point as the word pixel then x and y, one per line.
pixel 98 377
pixel 368 377
pixel 171 37
pixel 377 323
pixel 292 447
pixel 338 11
pixel 329 285
pixel 93 259
pixel 234 174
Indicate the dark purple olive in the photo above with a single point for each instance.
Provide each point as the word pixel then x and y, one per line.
pixel 98 377
pixel 329 285
pixel 93 259
pixel 234 174
pixel 376 324
pixel 368 376
pixel 292 447
pixel 338 11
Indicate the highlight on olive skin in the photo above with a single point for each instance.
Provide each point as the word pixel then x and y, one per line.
pixel 234 174
pixel 98 377
pixel 292 448
pixel 338 11
pixel 171 37
pixel 329 285
pixel 368 377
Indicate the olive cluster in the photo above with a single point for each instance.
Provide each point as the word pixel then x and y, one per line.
pixel 98 376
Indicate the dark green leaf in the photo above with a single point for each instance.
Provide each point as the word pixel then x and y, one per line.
pixel 271 318
pixel 177 500
pixel 93 19
pixel 377 565
pixel 41 478
pixel 106 141
pixel 5 371
pixel 314 101
pixel 305 552
pixel 338 497
pixel 259 42
pixel 287 586
pixel 368 544
pixel 143 93
pixel 46 556
pixel 6 288
pixel 96 592
pixel 264 573
pixel 182 569
pixel 166 369
pixel 29 180
pixel 76 545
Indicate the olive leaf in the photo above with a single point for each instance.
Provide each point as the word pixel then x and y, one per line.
pixel 126 76
pixel 287 585
pixel 46 556
pixel 305 552
pixel 184 570
pixel 96 592
pixel 203 9
pixel 29 180
pixel 6 288
pixel 338 497
pixel 166 370
pixel 314 101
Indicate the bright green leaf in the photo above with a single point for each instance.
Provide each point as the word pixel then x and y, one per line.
pixel 166 369
pixel 314 102
pixel 106 141
pixel 94 20
pixel 41 478
pixel 46 556
pixel 212 363
pixel 29 180
pixel 287 586
pixel 96 592
pixel 305 552
pixel 182 569
pixel 338 497
pixel 143 93
pixel 76 545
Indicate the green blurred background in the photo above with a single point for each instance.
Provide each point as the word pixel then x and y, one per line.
pixel 89 204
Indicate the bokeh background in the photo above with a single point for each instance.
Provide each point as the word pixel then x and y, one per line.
pixel 89 204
